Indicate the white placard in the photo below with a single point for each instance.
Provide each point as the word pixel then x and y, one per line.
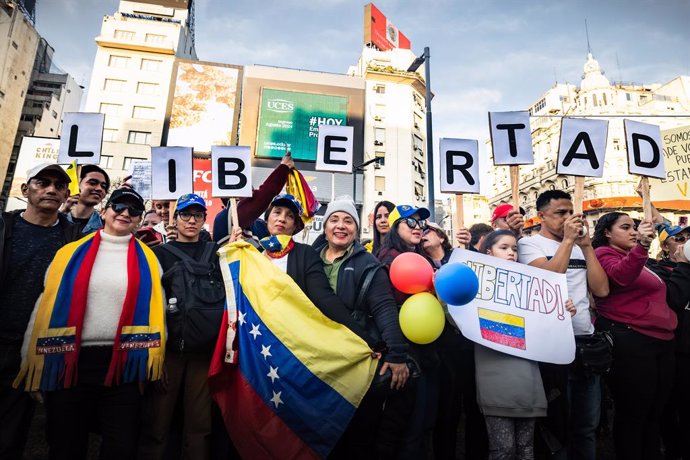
pixel 141 177
pixel 231 171
pixel 459 160
pixel 644 149
pixel 519 309
pixel 171 172
pixel 582 147
pixel 511 138
pixel 335 148
pixel 81 138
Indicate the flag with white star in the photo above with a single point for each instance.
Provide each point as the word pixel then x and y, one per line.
pixel 298 377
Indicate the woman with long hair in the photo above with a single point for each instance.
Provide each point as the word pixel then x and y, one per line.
pixel 96 335
pixel 642 324
pixel 381 227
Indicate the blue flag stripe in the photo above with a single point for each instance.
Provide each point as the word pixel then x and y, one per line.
pixel 501 328
pixel 64 295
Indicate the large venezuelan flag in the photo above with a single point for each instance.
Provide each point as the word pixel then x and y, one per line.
pixel 296 378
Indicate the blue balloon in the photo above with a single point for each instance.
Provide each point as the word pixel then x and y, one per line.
pixel 456 284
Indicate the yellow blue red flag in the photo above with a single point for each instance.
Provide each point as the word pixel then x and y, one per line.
pixel 287 378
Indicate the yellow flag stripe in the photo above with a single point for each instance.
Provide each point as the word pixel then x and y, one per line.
pixel 499 317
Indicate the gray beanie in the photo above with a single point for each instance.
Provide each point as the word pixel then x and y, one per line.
pixel 342 204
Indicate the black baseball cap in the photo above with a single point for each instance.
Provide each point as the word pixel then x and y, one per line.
pixel 122 194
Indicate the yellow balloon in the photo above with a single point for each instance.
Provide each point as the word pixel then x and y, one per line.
pixel 422 318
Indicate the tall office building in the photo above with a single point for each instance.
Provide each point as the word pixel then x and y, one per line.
pixel 130 82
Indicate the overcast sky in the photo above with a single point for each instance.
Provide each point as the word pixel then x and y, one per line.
pixel 485 54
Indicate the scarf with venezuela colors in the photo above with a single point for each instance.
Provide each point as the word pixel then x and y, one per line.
pixel 139 348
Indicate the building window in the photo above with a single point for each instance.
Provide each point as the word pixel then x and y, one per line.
pixel 106 162
pixel 147 88
pixel 417 121
pixel 120 62
pixel 604 96
pixel 114 85
pixel 110 109
pixel 146 113
pixel 594 100
pixel 155 38
pixel 417 144
pixel 124 34
pixel 109 135
pixel 419 191
pixel 139 137
pixel 380 89
pixel 628 97
pixel 380 184
pixel 381 154
pixel 151 65
pixel 54 114
pixel 128 161
pixel 564 184
pixel 379 136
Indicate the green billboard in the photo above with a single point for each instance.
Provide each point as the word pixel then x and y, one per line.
pixel 290 120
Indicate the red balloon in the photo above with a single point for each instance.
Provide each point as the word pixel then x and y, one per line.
pixel 411 273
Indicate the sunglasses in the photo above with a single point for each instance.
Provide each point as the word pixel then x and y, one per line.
pixel 198 216
pixel 682 238
pixel 412 223
pixel 119 208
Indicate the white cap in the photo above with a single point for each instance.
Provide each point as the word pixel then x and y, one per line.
pixel 36 170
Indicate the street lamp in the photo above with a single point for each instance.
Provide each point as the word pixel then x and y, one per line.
pixel 361 167
pixel 424 59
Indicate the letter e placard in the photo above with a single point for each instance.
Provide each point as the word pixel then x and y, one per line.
pixel 231 171
pixel 81 138
pixel 511 138
pixel 644 149
pixel 334 149
pixel 582 147
pixel 171 172
pixel 459 160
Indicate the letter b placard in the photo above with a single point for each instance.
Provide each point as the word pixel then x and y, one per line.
pixel 81 138
pixel 231 170
pixel 334 149
pixel 459 165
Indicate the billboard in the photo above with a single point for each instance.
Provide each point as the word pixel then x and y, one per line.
pixel 381 32
pixel 291 119
pixel 204 108
pixel 180 4
pixel 34 151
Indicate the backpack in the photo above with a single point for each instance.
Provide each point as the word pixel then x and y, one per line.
pixel 194 322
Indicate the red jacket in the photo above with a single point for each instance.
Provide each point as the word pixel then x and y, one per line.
pixel 637 296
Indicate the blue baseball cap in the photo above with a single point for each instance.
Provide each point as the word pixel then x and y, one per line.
pixel 190 199
pixel 404 211
pixel 665 231
pixel 289 201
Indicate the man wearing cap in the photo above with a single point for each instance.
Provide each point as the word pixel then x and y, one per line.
pixel 505 217
pixel 81 209
pixel 29 240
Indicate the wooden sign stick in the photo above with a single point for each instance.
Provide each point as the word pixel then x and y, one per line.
pixel 171 212
pixel 579 193
pixel 646 200
pixel 459 213
pixel 515 185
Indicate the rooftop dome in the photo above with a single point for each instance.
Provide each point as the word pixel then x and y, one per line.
pixel 593 77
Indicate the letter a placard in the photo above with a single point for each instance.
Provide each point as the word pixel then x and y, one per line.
pixel 334 149
pixel 582 147
pixel 81 138
pixel 171 172
pixel 459 165
pixel 511 138
pixel 231 170
pixel 644 149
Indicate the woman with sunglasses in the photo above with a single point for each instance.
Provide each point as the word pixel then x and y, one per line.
pixel 637 314
pixel 96 335
pixel 415 405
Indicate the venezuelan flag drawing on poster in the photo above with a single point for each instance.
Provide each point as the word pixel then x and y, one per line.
pixel 503 328
pixel 296 377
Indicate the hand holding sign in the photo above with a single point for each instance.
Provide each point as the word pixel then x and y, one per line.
pixel 644 157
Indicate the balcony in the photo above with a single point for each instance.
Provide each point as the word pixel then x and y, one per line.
pixel 137 44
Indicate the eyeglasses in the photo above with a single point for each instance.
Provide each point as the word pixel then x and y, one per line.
pixel 119 208
pixel 682 238
pixel 412 223
pixel 198 216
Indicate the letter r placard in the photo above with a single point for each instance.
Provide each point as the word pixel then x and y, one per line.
pixel 335 148
pixel 644 149
pixel 231 170
pixel 172 172
pixel 81 138
pixel 459 160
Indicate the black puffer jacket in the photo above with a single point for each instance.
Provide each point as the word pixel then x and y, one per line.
pixel 676 276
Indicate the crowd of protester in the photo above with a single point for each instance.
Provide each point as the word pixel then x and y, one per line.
pixel 85 277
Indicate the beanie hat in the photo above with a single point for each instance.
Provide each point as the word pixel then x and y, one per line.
pixel 342 204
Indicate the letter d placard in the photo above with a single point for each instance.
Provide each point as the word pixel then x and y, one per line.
pixel 231 171
pixel 81 138
pixel 644 149
pixel 459 165
pixel 334 149
pixel 171 172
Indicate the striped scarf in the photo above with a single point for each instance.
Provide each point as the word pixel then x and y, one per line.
pixel 139 348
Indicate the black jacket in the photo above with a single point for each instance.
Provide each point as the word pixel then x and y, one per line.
pixel 306 269
pixel 676 276
pixel 372 306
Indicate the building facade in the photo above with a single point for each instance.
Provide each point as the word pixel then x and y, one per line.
pixel 394 130
pixel 131 77
pixel 657 104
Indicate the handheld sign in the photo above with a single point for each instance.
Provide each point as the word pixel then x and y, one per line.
pixel 171 172
pixel 582 147
pixel 644 157
pixel 511 140
pixel 81 138
pixel 141 178
pixel 459 171
pixel 231 171
pixel 335 148
pixel 518 310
